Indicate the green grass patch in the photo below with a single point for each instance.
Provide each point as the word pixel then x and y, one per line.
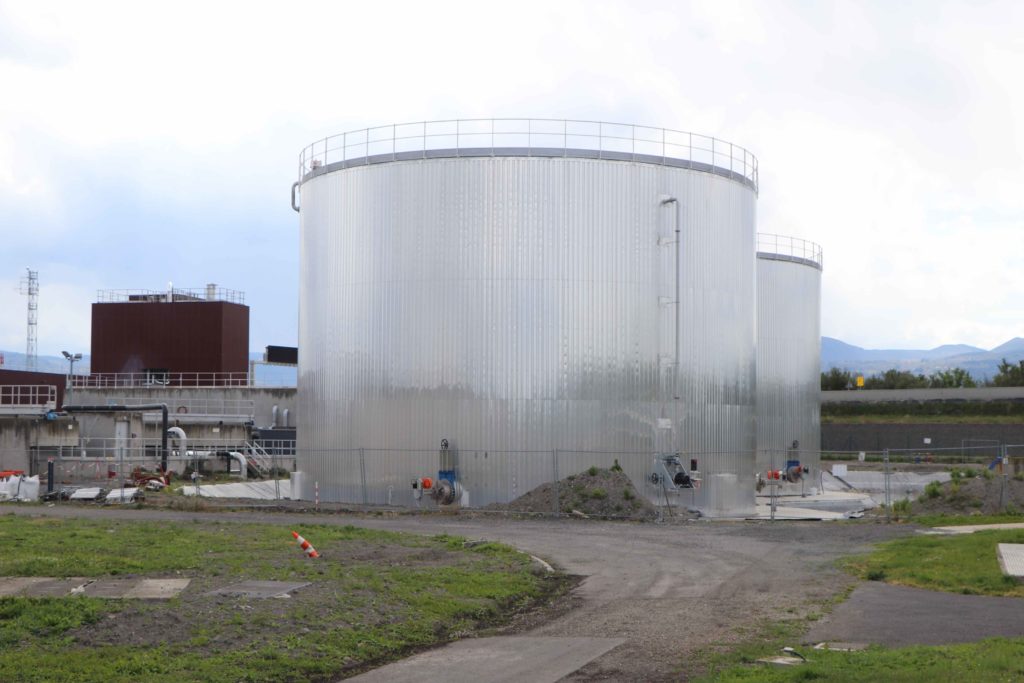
pixel 957 564
pixel 997 659
pixel 965 520
pixel 375 595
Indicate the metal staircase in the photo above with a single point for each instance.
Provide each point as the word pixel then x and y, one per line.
pixel 258 459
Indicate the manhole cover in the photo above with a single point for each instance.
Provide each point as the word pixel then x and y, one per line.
pixel 259 589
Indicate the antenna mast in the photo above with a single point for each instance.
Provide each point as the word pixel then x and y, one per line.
pixel 30 288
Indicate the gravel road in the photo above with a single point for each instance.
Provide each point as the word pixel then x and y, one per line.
pixel 668 589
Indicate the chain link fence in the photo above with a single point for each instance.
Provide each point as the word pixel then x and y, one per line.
pixel 980 477
pixel 110 464
pixel 550 481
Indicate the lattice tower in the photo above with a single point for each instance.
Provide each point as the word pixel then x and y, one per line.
pixel 30 288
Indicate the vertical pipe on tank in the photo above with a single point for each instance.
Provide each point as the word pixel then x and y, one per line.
pixel 675 360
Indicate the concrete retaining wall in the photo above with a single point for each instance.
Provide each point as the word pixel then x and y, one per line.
pixel 876 437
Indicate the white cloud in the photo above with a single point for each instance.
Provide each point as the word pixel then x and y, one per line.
pixel 887 133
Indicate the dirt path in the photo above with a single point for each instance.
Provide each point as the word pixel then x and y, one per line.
pixel 669 590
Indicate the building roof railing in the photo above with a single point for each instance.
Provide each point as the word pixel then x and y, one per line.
pixel 785 248
pixel 21 398
pixel 528 137
pixel 208 293
pixel 152 379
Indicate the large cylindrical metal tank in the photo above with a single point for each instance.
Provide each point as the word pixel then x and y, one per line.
pixel 510 286
pixel 789 355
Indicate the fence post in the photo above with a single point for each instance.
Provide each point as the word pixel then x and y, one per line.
pixel 275 472
pixel 362 475
pixel 1005 467
pixel 554 480
pixel 888 494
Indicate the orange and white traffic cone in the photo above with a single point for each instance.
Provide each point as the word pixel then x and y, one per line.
pixel 306 546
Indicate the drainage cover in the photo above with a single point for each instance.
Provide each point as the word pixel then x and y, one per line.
pixel 260 589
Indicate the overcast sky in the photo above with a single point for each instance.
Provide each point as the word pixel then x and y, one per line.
pixel 142 143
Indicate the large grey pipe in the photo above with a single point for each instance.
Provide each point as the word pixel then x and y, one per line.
pixel 179 434
pixel 675 374
pixel 141 408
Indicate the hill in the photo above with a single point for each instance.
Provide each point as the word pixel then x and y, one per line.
pixel 980 363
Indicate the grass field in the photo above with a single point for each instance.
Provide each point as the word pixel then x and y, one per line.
pixel 996 660
pixel 959 564
pixel 964 563
pixel 965 520
pixel 374 596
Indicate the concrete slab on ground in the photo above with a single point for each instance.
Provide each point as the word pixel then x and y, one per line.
pixel 971 528
pixel 122 495
pixel 91 493
pixel 55 588
pixel 260 490
pixel 783 512
pixel 902 484
pixel 16 585
pixel 50 587
pixel 897 615
pixel 1011 559
pixel 841 502
pixel 502 659
pixel 107 588
pixel 157 589
pixel 260 589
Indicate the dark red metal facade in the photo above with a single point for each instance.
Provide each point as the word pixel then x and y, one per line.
pixel 179 336
pixel 24 378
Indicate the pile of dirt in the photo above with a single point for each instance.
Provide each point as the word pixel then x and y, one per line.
pixel 966 495
pixel 594 492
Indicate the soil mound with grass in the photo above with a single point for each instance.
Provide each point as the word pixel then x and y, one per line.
pixel 972 492
pixel 594 492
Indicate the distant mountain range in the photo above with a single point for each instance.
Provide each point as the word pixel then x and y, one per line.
pixel 980 363
pixel 835 353
pixel 266 375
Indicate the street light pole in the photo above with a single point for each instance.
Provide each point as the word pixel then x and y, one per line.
pixel 71 371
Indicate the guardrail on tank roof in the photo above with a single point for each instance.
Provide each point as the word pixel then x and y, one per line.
pixel 789 249
pixel 529 137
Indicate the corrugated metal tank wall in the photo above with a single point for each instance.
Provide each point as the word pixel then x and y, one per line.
pixel 516 306
pixel 788 354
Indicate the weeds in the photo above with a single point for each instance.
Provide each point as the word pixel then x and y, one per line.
pixel 901 507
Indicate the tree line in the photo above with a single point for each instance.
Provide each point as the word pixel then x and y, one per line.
pixel 1009 375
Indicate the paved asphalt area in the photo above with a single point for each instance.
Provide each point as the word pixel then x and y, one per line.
pixel 667 590
pixel 899 615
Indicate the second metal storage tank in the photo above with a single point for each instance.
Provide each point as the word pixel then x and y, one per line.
pixel 789 354
pixel 510 286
